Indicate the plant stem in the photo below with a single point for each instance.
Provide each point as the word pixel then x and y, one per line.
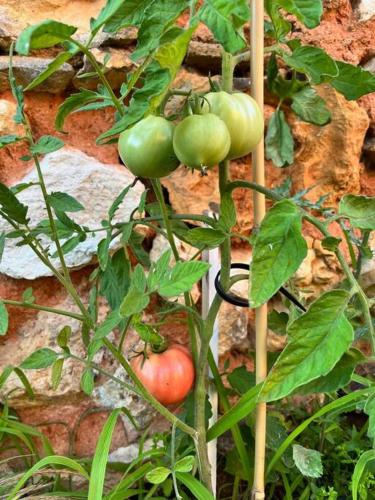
pixel 365 239
pixel 105 82
pixel 159 196
pixel 146 395
pixel 28 305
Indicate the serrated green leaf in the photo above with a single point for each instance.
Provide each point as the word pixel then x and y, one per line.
pixel 277 322
pixel 158 475
pixel 43 35
pixel 307 11
pixel 115 280
pixel 157 19
pixel 111 321
pixel 170 55
pixel 103 251
pixel 308 462
pixel 117 202
pixel 6 140
pixel 134 302
pixel 318 339
pixel 56 373
pixel 52 67
pixel 87 381
pixel 353 81
pixel 147 333
pixel 360 210
pixel 278 251
pixel 109 10
pixel 28 296
pixel 224 20
pixel 331 243
pixel 228 214
pixel 17 91
pixel 205 236
pixel 42 358
pixel 64 336
pixel 185 464
pixel 314 62
pixel 182 278
pixel 158 270
pixel 4 319
pixel 46 144
pixel 73 103
pixel 155 83
pixel 309 106
pixel 64 202
pixel 130 13
pixel 339 377
pixel 68 246
pixel 11 206
pixel 369 409
pixel 241 380
pixel 280 26
pixel 135 242
pixel 279 140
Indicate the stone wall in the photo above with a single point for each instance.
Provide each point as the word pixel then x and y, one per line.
pixel 336 159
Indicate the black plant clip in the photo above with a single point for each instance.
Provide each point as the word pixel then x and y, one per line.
pixel 239 301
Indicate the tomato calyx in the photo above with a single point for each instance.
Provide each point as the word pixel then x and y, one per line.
pixel 154 342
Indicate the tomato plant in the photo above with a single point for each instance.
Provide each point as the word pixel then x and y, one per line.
pixel 320 354
pixel 167 375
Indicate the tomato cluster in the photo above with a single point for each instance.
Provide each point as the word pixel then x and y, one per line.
pixel 228 126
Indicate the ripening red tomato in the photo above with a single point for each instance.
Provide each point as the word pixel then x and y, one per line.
pixel 168 375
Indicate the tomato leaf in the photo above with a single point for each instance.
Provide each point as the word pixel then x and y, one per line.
pixel 185 464
pixel 278 251
pixel 208 237
pixel 87 381
pixel 6 140
pixel 353 81
pixel 53 66
pixel 312 61
pixel 309 106
pixel 241 380
pixel 129 13
pixel 307 11
pixel 43 35
pixel 4 319
pixel 279 140
pixel 182 277
pixel 64 336
pixel 224 20
pixel 157 19
pixel 56 373
pixel 64 202
pixel 115 280
pixel 360 210
pixel 318 339
pixel 11 206
pixel 340 376
pixel 155 83
pixel 308 462
pixel 42 358
pixel 46 144
pixel 136 300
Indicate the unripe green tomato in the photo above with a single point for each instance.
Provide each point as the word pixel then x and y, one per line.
pixel 201 141
pixel 243 118
pixel 147 148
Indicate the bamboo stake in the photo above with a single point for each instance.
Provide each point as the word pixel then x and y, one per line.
pixel 257 82
pixel 208 294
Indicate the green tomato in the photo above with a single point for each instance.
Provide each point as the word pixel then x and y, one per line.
pixel 147 148
pixel 243 118
pixel 201 141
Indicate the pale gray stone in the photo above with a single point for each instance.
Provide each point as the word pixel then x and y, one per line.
pixel 93 184
pixel 366 9
pixel 26 69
